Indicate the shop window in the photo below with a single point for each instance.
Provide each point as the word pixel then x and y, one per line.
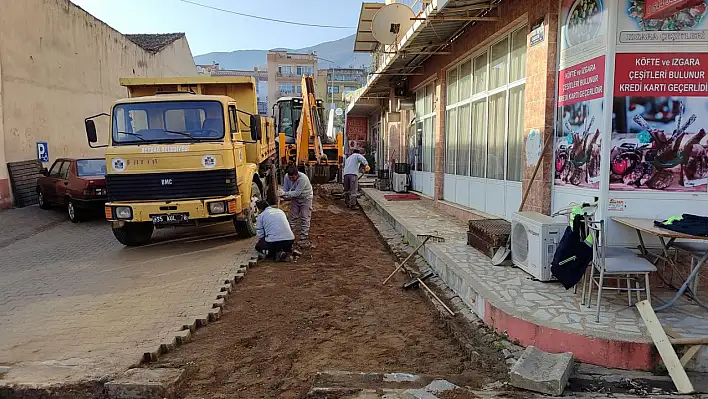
pixel 517 69
pixel 516 133
pixel 480 74
pixel 498 68
pixel 465 79
pixel 419 146
pixel 495 136
pixel 452 86
pixel 478 146
pixel 450 140
pixel 463 140
pixel 489 99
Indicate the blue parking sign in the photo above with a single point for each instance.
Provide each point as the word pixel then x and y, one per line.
pixel 42 151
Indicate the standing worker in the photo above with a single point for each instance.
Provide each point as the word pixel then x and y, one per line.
pixel 275 238
pixel 351 177
pixel 297 188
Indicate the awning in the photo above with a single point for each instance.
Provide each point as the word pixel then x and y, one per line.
pixel 432 32
pixel 365 41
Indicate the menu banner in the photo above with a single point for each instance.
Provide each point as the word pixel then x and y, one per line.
pixel 670 22
pixel 582 82
pixel 583 31
pixel 661 74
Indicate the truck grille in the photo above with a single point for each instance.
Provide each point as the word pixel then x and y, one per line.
pixel 171 185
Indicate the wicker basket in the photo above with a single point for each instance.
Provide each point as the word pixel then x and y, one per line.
pixel 487 235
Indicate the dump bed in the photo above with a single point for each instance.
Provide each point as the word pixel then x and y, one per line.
pixel 241 88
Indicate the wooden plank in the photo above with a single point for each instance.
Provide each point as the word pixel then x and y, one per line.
pixel 668 355
pixel 689 341
pixel 690 353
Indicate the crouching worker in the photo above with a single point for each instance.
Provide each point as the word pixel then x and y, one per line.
pixel 275 238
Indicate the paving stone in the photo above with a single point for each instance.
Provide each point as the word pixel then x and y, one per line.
pixel 542 372
pixel 183 336
pixel 141 383
pixel 74 292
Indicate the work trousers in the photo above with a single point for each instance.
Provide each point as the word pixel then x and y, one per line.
pixel 301 212
pixel 274 247
pixel 351 189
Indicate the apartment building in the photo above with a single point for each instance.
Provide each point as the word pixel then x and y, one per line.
pixel 285 72
pixel 332 85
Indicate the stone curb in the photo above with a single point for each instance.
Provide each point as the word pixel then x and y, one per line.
pixel 184 333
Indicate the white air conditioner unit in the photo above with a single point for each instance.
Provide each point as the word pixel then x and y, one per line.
pixel 534 238
pixel 400 183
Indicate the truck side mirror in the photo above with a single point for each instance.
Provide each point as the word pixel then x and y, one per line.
pixel 44 172
pixel 91 131
pixel 256 128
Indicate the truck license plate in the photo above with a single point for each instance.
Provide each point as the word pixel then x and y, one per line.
pixel 174 218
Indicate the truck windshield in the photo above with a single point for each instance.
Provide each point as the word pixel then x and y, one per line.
pixel 91 167
pixel 168 121
pixel 289 117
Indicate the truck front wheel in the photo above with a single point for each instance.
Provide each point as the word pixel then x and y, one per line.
pixel 247 228
pixel 134 234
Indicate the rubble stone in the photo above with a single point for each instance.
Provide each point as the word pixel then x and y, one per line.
pixel 542 372
pixel 145 384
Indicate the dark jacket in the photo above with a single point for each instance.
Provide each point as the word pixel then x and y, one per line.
pixel 687 224
pixel 572 256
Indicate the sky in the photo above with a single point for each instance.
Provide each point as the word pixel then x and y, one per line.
pixel 210 30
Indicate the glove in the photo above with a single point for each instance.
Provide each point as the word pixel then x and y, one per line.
pixel 367 169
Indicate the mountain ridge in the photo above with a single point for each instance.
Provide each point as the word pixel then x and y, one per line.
pixel 340 52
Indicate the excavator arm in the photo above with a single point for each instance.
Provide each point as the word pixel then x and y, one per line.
pixel 309 129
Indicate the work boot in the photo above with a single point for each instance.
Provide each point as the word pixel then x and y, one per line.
pixel 305 243
pixel 262 256
pixel 279 256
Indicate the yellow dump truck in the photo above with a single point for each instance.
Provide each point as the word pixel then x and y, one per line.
pixel 186 151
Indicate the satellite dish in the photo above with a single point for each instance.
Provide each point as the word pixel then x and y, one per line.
pixel 391 22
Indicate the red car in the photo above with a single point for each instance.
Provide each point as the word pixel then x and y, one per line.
pixel 77 184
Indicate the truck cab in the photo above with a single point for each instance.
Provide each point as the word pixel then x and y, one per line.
pixel 185 157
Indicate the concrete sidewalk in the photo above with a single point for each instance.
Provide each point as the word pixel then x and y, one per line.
pixel 535 313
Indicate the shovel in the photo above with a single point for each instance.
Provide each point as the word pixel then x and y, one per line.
pixel 503 252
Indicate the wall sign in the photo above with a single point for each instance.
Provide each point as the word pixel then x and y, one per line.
pixel 538 33
pixel 42 151
pixel 616 205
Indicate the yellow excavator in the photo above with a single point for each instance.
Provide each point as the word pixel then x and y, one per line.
pixel 303 139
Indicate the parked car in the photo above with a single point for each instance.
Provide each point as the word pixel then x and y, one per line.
pixel 77 184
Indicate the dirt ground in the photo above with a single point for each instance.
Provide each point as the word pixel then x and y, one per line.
pixel 328 311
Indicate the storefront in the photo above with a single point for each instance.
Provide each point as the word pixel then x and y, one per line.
pixel 633 108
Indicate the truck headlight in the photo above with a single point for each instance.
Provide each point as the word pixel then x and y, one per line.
pixel 124 212
pixel 216 208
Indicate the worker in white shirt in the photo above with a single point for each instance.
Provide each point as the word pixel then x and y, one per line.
pixel 351 177
pixel 275 238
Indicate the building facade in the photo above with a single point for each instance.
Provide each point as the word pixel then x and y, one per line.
pixel 609 99
pixel 470 101
pixel 260 75
pixel 58 65
pixel 332 85
pixel 464 131
pixel 285 71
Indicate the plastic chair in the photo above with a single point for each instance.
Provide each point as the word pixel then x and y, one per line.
pixel 615 263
